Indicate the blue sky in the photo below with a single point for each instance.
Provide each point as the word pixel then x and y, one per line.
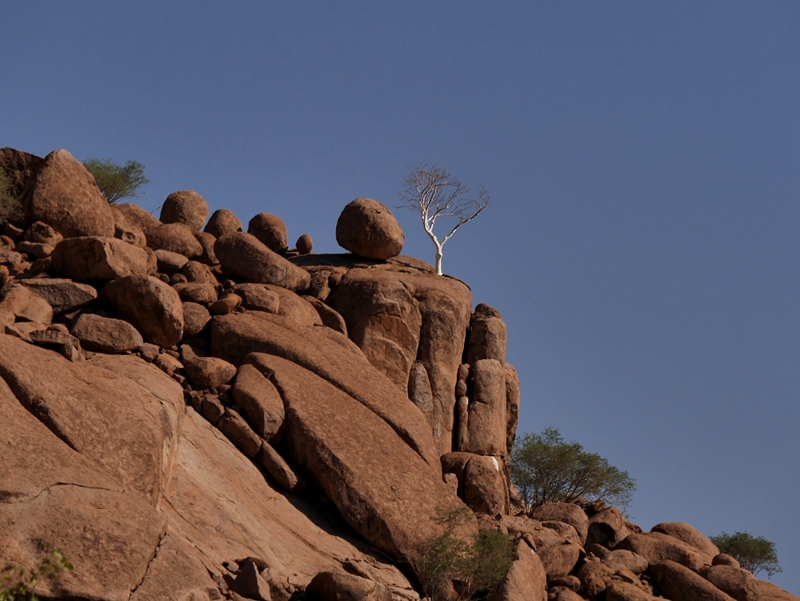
pixel 642 158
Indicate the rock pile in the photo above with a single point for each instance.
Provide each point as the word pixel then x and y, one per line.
pixel 206 414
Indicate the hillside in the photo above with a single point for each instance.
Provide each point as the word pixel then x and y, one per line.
pixel 189 411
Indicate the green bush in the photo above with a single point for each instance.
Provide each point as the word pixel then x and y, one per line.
pixel 10 205
pixel 754 553
pixel 19 584
pixel 546 469
pixel 474 567
pixel 117 181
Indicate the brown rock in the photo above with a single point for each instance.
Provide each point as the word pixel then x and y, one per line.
pixel 623 591
pixel 570 582
pixel 186 207
pixel 250 584
pixel 295 308
pixel 244 256
pixel 772 592
pixel 679 583
pixel 559 560
pixel 336 586
pixel 213 410
pixel 258 297
pixel 593 575
pixel 621 559
pixel 170 262
pixel 207 242
pixel 487 336
pixel 207 372
pixel 20 167
pixel 236 429
pixel 723 559
pixel 106 335
pixel 126 231
pixel 195 318
pixel 96 258
pixel 200 273
pixel 484 485
pixel 419 391
pixel 64 195
pixel 225 304
pixel 607 528
pixel 525 581
pixel 41 233
pixel 380 485
pixel 61 294
pixel 689 535
pixel 153 307
pixel 487 427
pixel 194 292
pixel 270 230
pixel 260 400
pixel 25 304
pixel 656 546
pixel 736 582
pixel 223 221
pixel 277 467
pixel 174 237
pixel 568 513
pixel 304 244
pixel 137 217
pixel 512 405
pixel 367 228
pixel 565 594
pixel 329 317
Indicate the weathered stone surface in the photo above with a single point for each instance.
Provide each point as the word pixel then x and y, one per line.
pixel 206 372
pixel 199 273
pixel 487 336
pixel 258 297
pixel 378 483
pixel 270 230
pixel 153 307
pixel 526 580
pixel 277 467
pixel 419 391
pixel 484 485
pixel 170 262
pixel 723 559
pixel 513 397
pixel 40 233
pixel 607 528
pixel 736 582
pixel 337 586
pixel 61 294
pixel 559 560
pixel 623 591
pixel 244 256
pixel 569 513
pixel 304 244
pixel 487 425
pixel 689 535
pixel 64 195
pixel 367 228
pixel 20 167
pixel 195 318
pixel 593 575
pixel 207 242
pixel 250 584
pixel 772 592
pixel 620 559
pixel 97 258
pixel 127 231
pixel 174 237
pixel 240 434
pixel 225 304
pixel 106 335
pixel 656 546
pixel 137 217
pixel 260 400
pixel 565 594
pixel 196 292
pixel 223 221
pixel 328 355
pixel 186 207
pixel 679 583
pixel 25 304
pixel 328 316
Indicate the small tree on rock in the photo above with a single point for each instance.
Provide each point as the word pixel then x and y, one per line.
pixel 754 553
pixel 117 181
pixel 434 193
pixel 545 469
pixel 10 205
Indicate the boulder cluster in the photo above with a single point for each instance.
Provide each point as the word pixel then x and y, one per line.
pixel 192 411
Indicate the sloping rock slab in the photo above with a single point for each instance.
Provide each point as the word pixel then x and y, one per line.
pixel 381 487
pixel 235 335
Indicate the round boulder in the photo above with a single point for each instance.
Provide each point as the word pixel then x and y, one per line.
pixel 304 244
pixel 367 228
pixel 270 230
pixel 221 222
pixel 187 207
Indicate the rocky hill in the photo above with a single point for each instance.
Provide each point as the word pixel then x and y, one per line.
pixel 192 412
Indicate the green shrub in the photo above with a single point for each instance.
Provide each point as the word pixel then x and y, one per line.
pixel 474 567
pixel 754 553
pixel 10 205
pixel 117 181
pixel 19 584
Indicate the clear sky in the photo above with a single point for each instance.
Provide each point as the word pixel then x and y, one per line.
pixel 642 158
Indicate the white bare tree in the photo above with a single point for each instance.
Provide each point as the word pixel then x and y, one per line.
pixel 434 193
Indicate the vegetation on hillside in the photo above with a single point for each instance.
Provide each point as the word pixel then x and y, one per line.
pixel 19 584
pixel 754 553
pixel 10 205
pixel 117 181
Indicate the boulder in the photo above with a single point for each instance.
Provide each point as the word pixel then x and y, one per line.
pixel 258 297
pixel 260 400
pixel 484 486
pixel 487 427
pixel 186 207
pixel 106 335
pixel 623 591
pixel 525 581
pixel 137 217
pixel 656 546
pixel 607 528
pixel 419 391
pixel 99 258
pixel 126 231
pixel 207 242
pixel 206 372
pixel 244 256
pixel 594 575
pixel 174 237
pixel 367 228
pixel 689 535
pixel 199 273
pixel 225 304
pixel 569 513
pixel 559 560
pixel 328 316
pixel 564 594
pixel 304 244
pixel 232 425
pixel 772 592
pixel 487 335
pixel 61 294
pixel 64 195
pixel 513 397
pixel 195 292
pixel 277 467
pixel 223 221
pixel 270 231
pixel 723 559
pixel 170 262
pixel 20 167
pixel 337 586
pixel 679 583
pixel 153 307
pixel 379 484
pixel 195 318
pixel 25 304
pixel 736 582
pixel 249 583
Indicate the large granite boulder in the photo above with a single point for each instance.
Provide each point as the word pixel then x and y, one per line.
pixel 19 167
pixel 63 194
pixel 368 229
pixel 222 221
pixel 270 230
pixel 61 294
pixel 656 546
pixel 137 217
pixel 689 535
pixel 186 207
pixel 175 237
pixel 99 258
pixel 525 581
pixel 679 583
pixel 153 307
pixel 245 256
